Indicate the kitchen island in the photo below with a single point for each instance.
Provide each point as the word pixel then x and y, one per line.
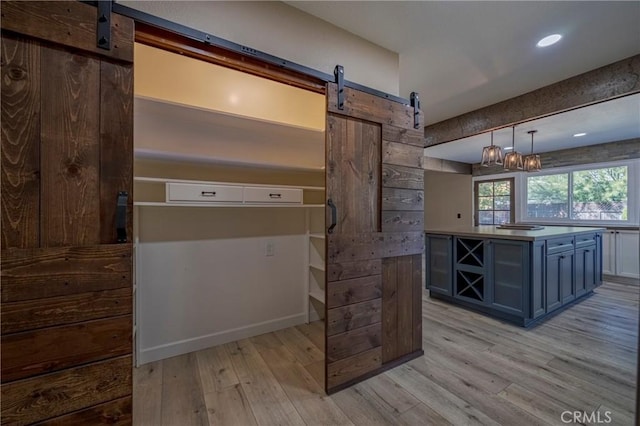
pixel 520 276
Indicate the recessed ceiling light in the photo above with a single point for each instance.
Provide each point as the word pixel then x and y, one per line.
pixel 508 148
pixel 577 135
pixel 549 40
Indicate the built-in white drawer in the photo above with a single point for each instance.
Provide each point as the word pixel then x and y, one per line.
pixel 181 192
pixel 272 195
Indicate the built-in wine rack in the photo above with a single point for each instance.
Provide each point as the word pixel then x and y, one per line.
pixel 469 269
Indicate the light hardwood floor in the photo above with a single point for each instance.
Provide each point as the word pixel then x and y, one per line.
pixel 475 371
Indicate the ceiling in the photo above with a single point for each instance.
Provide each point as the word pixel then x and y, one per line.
pixel 614 120
pixel 461 56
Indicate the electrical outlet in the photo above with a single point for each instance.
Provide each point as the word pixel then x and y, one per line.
pixel 270 248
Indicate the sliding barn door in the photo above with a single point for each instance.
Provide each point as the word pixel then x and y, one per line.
pixel 375 237
pixel 66 155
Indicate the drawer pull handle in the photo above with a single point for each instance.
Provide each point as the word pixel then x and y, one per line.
pixel 208 193
pixel 275 195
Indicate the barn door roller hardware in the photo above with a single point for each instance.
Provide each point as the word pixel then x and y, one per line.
pixel 103 29
pixel 415 103
pixel 121 216
pixel 338 72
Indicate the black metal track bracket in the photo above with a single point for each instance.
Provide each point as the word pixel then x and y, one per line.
pixel 103 29
pixel 338 72
pixel 415 103
pixel 121 216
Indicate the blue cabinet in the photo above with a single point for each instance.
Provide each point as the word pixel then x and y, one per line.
pixel 439 264
pixel 560 271
pixel 470 275
pixel 538 291
pixel 493 274
pixel 553 296
pixel 509 273
pixel 599 256
pixel 585 269
pixel 519 281
pixel 560 283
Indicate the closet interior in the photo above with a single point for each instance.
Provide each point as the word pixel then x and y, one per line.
pixel 229 218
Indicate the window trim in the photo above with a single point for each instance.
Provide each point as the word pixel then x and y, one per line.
pixel 633 218
pixel 512 197
pixel 633 200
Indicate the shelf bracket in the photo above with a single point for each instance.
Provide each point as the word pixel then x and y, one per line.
pixel 338 72
pixel 415 103
pixel 103 28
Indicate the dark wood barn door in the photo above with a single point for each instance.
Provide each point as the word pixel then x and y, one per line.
pixel 374 251
pixel 67 112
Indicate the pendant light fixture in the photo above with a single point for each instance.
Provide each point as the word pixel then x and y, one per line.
pixel 491 155
pixel 532 161
pixel 513 159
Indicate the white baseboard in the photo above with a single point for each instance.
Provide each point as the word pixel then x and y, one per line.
pixel 313 316
pixel 202 342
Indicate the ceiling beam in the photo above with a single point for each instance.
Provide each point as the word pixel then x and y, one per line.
pixel 611 81
pixel 448 166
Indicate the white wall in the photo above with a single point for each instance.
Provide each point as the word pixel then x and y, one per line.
pixel 446 195
pixel 205 279
pixel 203 276
pixel 281 30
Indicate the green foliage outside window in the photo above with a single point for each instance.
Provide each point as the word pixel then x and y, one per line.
pixel 548 189
pixel 596 194
pixel 600 185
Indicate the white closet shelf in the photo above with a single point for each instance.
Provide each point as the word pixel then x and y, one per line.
pixel 317 295
pixel 192 193
pixel 318 267
pixel 318 236
pixel 238 139
pixel 238 205
pixel 207 182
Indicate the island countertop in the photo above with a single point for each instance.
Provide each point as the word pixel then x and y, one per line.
pixel 490 231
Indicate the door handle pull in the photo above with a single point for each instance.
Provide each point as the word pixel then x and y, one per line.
pixel 334 216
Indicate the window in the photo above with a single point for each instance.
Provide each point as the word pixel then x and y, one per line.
pixel 548 196
pixel 494 202
pixel 600 194
pixel 597 194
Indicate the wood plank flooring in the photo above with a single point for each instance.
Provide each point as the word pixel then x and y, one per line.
pixel 475 371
